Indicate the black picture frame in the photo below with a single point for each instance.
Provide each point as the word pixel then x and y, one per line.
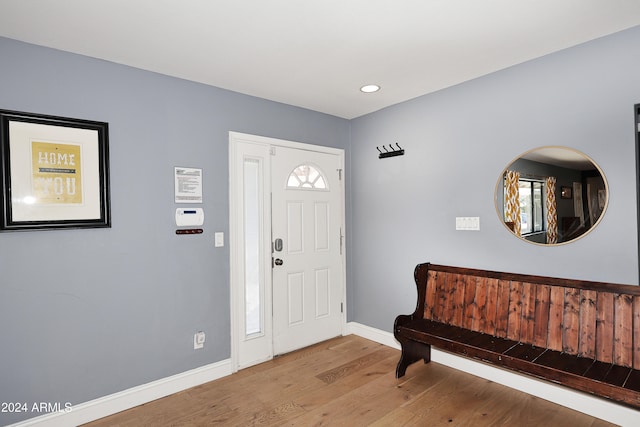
pixel 54 172
pixel 566 192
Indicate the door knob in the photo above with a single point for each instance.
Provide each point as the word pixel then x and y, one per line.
pixel 278 261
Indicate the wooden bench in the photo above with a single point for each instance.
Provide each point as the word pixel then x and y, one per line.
pixel 580 334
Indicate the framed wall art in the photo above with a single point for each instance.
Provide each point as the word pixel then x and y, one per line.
pixel 565 193
pixel 55 172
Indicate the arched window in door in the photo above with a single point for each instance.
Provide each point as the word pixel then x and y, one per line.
pixel 307 177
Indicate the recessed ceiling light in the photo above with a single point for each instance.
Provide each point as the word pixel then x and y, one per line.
pixel 369 88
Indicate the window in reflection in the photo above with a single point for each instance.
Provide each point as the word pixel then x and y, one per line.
pixel 531 206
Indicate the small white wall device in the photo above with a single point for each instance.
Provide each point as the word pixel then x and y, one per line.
pixel 198 340
pixel 189 217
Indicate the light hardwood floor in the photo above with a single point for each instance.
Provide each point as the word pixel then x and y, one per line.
pixel 349 381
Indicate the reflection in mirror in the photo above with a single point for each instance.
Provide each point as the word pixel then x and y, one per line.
pixel 551 195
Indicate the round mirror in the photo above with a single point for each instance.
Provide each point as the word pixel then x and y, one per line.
pixel 551 195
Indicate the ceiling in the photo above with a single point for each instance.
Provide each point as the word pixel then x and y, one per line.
pixel 316 54
pixel 561 156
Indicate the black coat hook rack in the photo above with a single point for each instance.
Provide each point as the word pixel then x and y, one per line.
pixel 390 153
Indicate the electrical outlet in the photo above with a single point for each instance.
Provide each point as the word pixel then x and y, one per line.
pixel 198 340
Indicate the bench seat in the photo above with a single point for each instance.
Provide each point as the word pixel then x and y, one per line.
pixel 543 363
pixel 452 315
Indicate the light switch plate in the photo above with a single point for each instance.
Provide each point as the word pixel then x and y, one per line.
pixel 468 223
pixel 219 239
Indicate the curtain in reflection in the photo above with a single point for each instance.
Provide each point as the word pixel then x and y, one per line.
pixel 512 201
pixel 552 213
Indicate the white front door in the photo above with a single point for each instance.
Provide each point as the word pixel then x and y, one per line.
pixel 286 208
pixel 307 237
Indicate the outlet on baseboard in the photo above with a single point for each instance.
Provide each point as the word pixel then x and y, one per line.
pixel 198 340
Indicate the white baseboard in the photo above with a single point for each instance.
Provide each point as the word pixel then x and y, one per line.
pixel 587 404
pixel 373 334
pixel 127 399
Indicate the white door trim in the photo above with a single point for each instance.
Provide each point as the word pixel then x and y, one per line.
pixel 236 246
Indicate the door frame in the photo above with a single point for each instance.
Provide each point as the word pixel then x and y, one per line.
pixel 236 244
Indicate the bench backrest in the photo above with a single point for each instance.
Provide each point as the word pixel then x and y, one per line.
pixel 590 319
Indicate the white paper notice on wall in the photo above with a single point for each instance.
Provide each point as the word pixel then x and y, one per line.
pixel 189 217
pixel 188 185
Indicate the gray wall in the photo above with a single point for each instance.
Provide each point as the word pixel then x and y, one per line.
pixel 86 313
pixel 457 143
